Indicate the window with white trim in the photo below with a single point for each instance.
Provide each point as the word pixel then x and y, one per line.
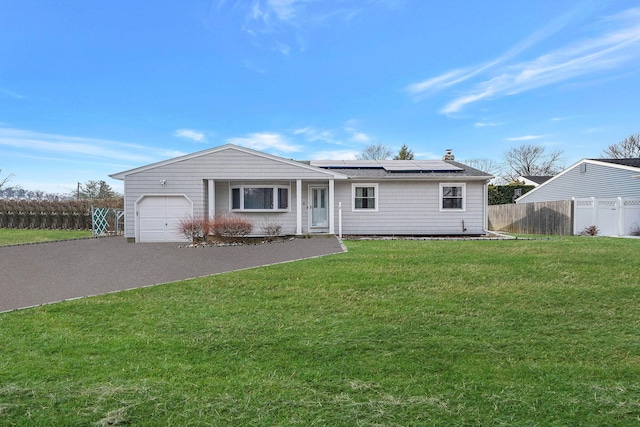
pixel 260 198
pixel 452 197
pixel 365 197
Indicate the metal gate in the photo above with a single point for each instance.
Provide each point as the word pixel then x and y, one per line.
pixel 106 221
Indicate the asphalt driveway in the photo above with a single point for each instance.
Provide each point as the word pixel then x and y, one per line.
pixel 43 273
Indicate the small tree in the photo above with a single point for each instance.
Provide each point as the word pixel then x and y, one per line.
pixel 627 148
pixel 404 154
pixel 374 152
pixel 95 190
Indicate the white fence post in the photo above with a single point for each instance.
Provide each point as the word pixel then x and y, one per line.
pixel 621 224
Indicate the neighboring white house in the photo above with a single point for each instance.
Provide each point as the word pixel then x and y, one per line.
pixel 590 178
pixel 392 197
pixel 606 194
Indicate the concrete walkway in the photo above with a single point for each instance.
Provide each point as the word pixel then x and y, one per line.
pixel 36 274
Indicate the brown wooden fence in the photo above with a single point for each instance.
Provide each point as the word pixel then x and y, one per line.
pixel 533 218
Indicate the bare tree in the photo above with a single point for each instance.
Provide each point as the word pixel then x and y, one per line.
pixel 485 165
pixel 4 180
pixel 489 166
pixel 627 148
pixel 529 159
pixel 374 152
pixel 404 154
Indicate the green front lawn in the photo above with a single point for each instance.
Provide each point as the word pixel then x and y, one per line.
pixel 477 333
pixel 12 236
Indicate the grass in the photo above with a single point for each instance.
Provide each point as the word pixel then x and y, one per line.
pixel 12 236
pixel 435 333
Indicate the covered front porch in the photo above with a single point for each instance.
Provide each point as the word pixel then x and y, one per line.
pixel 300 206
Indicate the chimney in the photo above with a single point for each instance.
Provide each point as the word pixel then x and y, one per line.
pixel 448 155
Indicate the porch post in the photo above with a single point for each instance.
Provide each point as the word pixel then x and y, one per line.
pixel 298 207
pixel 211 190
pixel 331 210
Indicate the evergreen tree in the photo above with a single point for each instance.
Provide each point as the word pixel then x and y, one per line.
pixel 95 190
pixel 404 153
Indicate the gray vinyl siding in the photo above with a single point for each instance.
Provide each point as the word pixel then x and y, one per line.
pixel 598 181
pixel 411 207
pixel 188 178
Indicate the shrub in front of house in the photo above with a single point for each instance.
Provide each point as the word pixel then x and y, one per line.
pixel 270 230
pixel 231 228
pixel 591 230
pixel 195 228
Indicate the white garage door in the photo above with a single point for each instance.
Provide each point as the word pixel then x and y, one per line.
pixel 160 217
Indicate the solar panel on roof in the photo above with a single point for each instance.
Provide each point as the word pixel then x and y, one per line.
pixel 390 165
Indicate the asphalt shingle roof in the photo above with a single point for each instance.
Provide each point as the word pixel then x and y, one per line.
pixel 633 162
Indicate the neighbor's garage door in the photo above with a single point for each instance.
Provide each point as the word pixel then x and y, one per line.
pixel 160 216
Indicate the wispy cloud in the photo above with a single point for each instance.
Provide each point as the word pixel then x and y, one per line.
pixel 525 138
pixel 284 25
pixel 355 134
pixel 191 134
pixel 265 141
pixel 486 124
pixel 346 135
pixel 11 94
pixel 335 155
pixel 42 144
pixel 615 46
pixel 312 134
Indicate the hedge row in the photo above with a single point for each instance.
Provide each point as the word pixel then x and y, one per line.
pixel 64 214
pixel 505 194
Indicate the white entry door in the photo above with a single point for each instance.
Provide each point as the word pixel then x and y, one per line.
pixel 159 218
pixel 319 206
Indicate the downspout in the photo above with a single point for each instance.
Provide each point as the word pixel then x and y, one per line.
pixel 485 207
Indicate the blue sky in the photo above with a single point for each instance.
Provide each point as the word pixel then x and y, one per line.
pixel 88 89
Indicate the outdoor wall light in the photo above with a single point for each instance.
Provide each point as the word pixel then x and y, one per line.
pixel 163 182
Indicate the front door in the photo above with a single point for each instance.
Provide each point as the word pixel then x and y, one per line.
pixel 319 205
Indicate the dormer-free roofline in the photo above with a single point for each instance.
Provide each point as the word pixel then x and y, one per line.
pixel 122 175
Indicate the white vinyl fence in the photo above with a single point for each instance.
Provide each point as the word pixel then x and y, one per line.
pixel 619 216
